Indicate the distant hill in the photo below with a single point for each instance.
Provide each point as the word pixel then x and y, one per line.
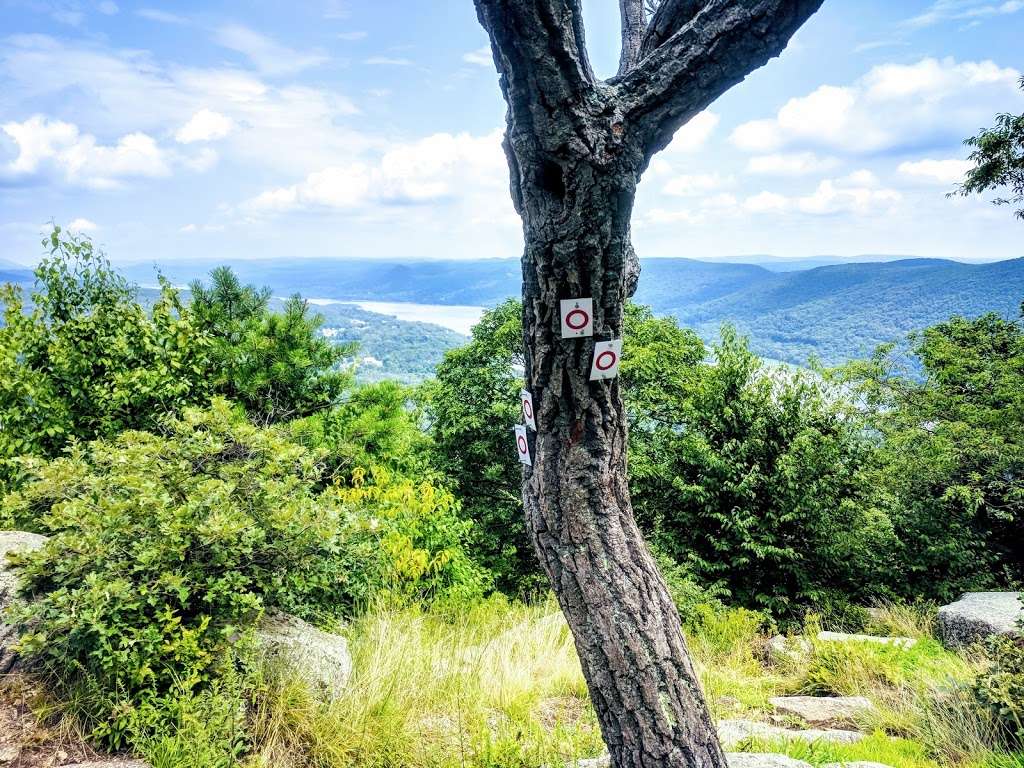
pixel 834 312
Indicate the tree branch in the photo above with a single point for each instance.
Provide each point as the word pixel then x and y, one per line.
pixel 540 52
pixel 703 56
pixel 634 23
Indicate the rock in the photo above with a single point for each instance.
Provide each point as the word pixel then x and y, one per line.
pixel 735 760
pixel 905 643
pixel 977 615
pixel 733 732
pixel 762 760
pixel 823 710
pixel 9 753
pixel 783 649
pixel 321 657
pixel 11 541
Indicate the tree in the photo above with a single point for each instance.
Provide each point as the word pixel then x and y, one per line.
pixel 952 458
pixel 998 159
pixel 273 363
pixel 576 147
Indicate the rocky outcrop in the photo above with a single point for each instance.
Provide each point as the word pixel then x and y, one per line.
pixel 905 643
pixel 823 710
pixel 320 657
pixel 733 732
pixel 11 541
pixel 978 615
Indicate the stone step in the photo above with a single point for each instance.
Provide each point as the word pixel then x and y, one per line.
pixel 733 732
pixel 823 710
pixel 905 643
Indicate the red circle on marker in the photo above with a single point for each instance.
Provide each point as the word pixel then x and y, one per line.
pixel 572 322
pixel 522 445
pixel 600 360
pixel 527 409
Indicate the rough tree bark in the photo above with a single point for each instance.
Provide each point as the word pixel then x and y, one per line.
pixel 576 148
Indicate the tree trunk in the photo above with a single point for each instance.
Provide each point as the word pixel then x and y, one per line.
pixel 576 147
pixel 627 631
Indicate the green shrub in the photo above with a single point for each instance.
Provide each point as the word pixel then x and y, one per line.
pixel 165 549
pixel 1000 688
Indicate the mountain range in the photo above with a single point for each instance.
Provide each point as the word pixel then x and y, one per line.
pixel 833 312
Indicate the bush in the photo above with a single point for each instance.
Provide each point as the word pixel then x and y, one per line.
pixel 1000 688
pixel 166 548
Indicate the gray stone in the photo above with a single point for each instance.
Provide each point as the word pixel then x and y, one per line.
pixel 762 760
pixel 784 649
pixel 823 710
pixel 733 732
pixel 735 760
pixel 841 637
pixel 321 657
pixel 11 541
pixel 978 615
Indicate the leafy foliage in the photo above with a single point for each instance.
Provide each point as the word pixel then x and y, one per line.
pixel 1000 688
pixel 952 454
pixel 166 548
pixel 753 479
pixel 85 360
pixel 275 364
pixel 756 480
pixel 998 157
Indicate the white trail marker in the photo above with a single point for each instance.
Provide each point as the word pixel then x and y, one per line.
pixel 527 400
pixel 577 318
pixel 606 360
pixel 523 445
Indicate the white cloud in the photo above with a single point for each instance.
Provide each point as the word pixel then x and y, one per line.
pixel 205 125
pixel 791 164
pixel 958 10
pixel 694 135
pixel 892 106
pixel 82 225
pixel 108 8
pixel 163 17
pixel 765 202
pixel 130 92
pixel 388 61
pixel 437 168
pixel 688 185
pixel 353 36
pixel 857 194
pixel 269 56
pixel 481 57
pixel 938 171
pixel 55 146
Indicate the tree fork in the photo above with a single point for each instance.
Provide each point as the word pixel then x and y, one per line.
pixel 576 148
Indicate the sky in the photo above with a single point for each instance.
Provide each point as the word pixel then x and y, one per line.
pixel 371 129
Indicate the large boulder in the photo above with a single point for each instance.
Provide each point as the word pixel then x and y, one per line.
pixel 823 710
pixel 10 542
pixel 321 657
pixel 977 615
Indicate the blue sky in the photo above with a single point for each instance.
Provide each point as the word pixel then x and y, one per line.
pixel 351 128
